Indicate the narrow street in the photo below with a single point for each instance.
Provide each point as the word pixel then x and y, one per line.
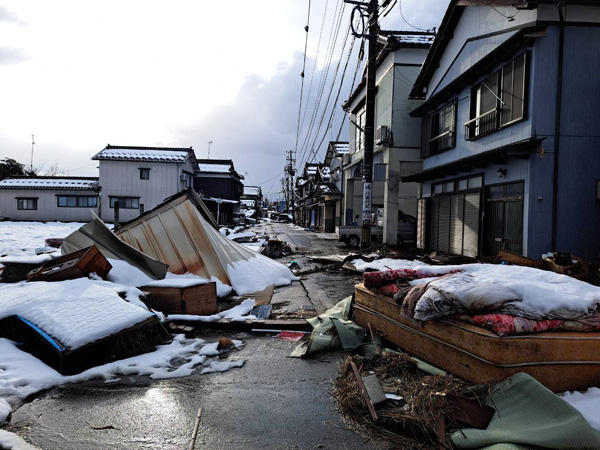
pixel 273 401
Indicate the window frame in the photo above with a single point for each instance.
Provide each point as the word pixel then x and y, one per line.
pixel 476 117
pixel 77 200
pixel 21 200
pixel 123 205
pixel 146 171
pixel 438 131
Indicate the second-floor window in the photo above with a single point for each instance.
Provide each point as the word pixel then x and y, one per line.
pixel 499 100
pixel 443 125
pixel 125 202
pixel 144 174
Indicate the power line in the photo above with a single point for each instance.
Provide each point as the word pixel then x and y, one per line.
pixel 302 75
pixel 406 21
pixel 325 75
pixel 329 55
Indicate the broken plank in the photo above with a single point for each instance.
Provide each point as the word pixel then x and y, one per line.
pixel 227 324
pixel 365 394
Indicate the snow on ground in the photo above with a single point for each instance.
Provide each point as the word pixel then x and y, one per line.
pixel 4 410
pixel 587 403
pixel 12 441
pixel 22 375
pixel 25 237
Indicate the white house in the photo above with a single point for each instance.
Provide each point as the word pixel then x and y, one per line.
pixel 139 178
pixel 67 199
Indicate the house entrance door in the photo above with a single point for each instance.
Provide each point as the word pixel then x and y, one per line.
pixel 503 219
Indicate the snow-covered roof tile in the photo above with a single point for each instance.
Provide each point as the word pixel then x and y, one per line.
pixel 251 190
pixel 214 168
pixel 149 154
pixel 74 183
pixel 342 148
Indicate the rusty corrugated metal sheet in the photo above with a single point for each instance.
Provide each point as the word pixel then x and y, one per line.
pixel 177 233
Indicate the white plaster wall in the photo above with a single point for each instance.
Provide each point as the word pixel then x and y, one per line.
pixel 122 179
pixel 47 211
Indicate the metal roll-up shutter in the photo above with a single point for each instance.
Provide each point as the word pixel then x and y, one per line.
pixel 444 224
pixel 421 221
pixel 471 221
pixel 457 223
pixel 432 223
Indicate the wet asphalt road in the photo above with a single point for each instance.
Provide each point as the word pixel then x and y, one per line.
pixel 272 402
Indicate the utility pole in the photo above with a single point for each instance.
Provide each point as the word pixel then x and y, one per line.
pixel 31 164
pixel 370 11
pixel 209 143
pixel 290 172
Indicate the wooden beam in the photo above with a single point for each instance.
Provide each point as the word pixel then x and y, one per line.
pixel 365 394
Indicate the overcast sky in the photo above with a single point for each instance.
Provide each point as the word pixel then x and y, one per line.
pixel 81 74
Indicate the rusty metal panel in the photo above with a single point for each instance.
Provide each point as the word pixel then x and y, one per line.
pixel 177 233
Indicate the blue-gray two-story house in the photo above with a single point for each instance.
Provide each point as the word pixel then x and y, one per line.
pixel 511 129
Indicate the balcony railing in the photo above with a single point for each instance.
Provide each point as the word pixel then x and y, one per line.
pixel 441 142
pixel 482 125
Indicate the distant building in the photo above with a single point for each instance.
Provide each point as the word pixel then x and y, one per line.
pixel 139 178
pixel 217 179
pixel 252 198
pixel 65 199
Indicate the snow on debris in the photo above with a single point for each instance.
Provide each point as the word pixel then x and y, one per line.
pixel 125 274
pixel 142 154
pixel 25 259
pixel 5 410
pixel 238 313
pixel 539 290
pixel 587 403
pixel 386 264
pixel 23 375
pixel 214 168
pixel 75 312
pixel 253 275
pixel 49 183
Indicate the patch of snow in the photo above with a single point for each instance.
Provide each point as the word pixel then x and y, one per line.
pixel 75 312
pixel 251 190
pixel 178 281
pixel 587 403
pixel 236 314
pixel 257 273
pixel 222 366
pixel 11 441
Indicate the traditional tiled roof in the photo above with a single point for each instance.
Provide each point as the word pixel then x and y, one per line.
pixel 146 154
pixel 252 190
pixel 215 165
pixel 341 148
pixel 63 183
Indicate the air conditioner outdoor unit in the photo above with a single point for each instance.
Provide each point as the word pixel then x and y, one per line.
pixel 346 160
pixel 382 134
pixel 183 177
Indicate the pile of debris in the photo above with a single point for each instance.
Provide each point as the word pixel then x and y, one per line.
pixel 392 395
